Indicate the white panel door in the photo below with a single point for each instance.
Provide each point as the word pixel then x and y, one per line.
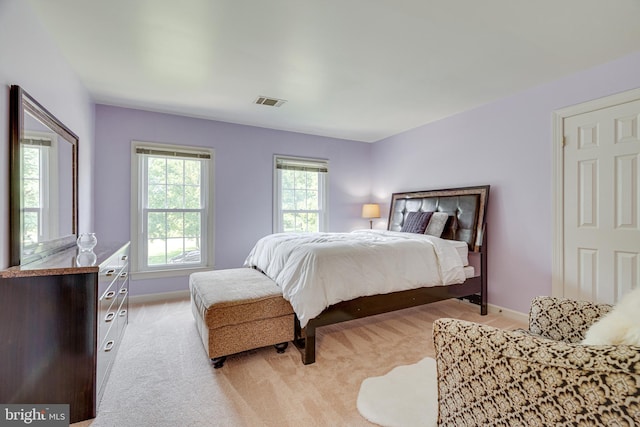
pixel 602 203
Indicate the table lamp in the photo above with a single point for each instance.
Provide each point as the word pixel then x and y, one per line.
pixel 370 211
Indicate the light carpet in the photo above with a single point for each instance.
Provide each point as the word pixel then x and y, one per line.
pixel 404 397
pixel 161 376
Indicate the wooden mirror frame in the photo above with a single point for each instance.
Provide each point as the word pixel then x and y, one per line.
pixel 21 102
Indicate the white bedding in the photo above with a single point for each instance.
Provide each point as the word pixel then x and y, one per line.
pixel 463 250
pixel 316 270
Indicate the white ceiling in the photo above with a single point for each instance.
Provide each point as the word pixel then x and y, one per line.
pixel 353 69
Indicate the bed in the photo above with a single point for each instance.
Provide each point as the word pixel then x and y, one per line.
pixel 336 277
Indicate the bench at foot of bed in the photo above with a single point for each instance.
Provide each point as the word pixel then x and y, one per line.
pixel 237 310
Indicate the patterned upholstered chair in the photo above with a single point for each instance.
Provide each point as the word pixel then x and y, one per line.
pixel 539 377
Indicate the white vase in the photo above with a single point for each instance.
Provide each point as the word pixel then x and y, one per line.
pixel 87 241
pixel 86 259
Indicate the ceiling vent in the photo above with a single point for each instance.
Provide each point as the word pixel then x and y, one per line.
pixel 270 102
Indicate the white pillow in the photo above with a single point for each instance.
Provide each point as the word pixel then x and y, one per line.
pixel 620 326
pixel 436 224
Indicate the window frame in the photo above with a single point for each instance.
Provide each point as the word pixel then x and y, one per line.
pixel 139 183
pixel 323 185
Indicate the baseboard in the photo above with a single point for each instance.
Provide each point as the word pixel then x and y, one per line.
pixel 159 297
pixel 511 314
pixel 506 312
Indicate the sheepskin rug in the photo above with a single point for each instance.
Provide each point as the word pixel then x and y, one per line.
pixel 404 397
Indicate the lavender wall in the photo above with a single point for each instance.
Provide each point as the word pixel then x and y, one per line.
pixel 31 60
pixel 507 144
pixel 243 178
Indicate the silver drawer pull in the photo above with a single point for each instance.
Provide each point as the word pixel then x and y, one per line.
pixel 109 345
pixel 124 257
pixel 109 317
pixel 123 274
pixel 110 295
pixel 123 313
pixel 109 273
pixel 123 291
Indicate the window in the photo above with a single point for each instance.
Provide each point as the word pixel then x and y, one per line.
pixel 172 220
pixel 39 212
pixel 300 198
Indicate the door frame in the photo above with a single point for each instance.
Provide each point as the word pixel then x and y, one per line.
pixel 557 253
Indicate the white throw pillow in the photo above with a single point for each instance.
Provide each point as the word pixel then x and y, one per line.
pixel 620 326
pixel 436 224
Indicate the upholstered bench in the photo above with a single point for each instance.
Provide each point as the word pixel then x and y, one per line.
pixel 237 310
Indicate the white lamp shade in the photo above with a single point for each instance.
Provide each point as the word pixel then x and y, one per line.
pixel 370 210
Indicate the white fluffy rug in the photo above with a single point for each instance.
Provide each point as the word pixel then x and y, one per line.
pixel 406 396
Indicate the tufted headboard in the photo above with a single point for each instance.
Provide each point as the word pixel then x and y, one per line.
pixel 466 207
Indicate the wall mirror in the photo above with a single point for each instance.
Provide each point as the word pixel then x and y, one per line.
pixel 43 179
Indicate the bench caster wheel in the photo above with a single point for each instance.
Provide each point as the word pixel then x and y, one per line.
pixel 280 348
pixel 218 362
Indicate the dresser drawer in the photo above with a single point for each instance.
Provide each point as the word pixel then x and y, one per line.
pixel 106 277
pixel 106 353
pixel 112 268
pixel 123 296
pixel 106 319
pixel 108 302
pixel 122 257
pixel 123 310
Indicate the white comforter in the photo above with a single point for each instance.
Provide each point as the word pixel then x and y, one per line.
pixel 320 269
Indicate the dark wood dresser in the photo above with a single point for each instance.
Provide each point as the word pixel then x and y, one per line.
pixel 61 322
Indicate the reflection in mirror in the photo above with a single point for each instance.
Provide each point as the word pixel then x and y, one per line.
pixel 43 181
pixel 46 184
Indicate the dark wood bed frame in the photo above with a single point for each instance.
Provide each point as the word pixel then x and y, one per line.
pixel 467 208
